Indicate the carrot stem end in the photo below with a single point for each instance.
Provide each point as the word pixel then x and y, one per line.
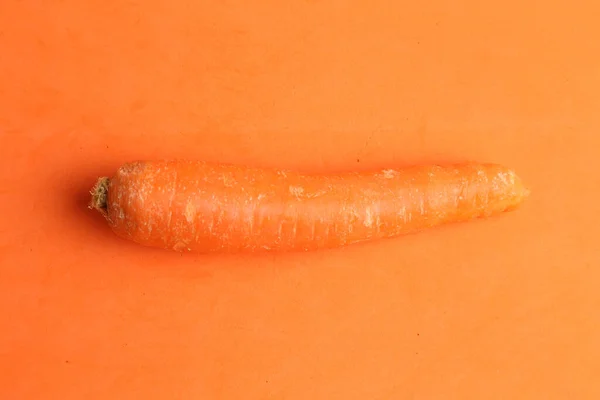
pixel 99 201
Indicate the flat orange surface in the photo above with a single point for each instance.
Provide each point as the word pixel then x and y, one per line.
pixel 501 309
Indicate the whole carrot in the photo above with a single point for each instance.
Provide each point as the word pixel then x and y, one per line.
pixel 201 207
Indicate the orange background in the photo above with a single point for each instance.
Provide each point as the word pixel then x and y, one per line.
pixel 497 309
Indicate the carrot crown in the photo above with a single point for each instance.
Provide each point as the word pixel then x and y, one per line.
pixel 100 195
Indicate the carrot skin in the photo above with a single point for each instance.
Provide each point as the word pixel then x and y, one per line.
pixel 201 207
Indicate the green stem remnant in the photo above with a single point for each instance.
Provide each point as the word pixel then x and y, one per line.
pixel 99 193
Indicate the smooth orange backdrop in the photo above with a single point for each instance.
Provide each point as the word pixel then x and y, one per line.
pixel 505 308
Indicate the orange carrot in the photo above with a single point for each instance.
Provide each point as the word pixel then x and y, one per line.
pixel 201 207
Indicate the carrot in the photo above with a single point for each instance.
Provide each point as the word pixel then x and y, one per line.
pixel 201 207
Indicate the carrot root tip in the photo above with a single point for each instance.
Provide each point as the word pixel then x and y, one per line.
pixel 99 194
